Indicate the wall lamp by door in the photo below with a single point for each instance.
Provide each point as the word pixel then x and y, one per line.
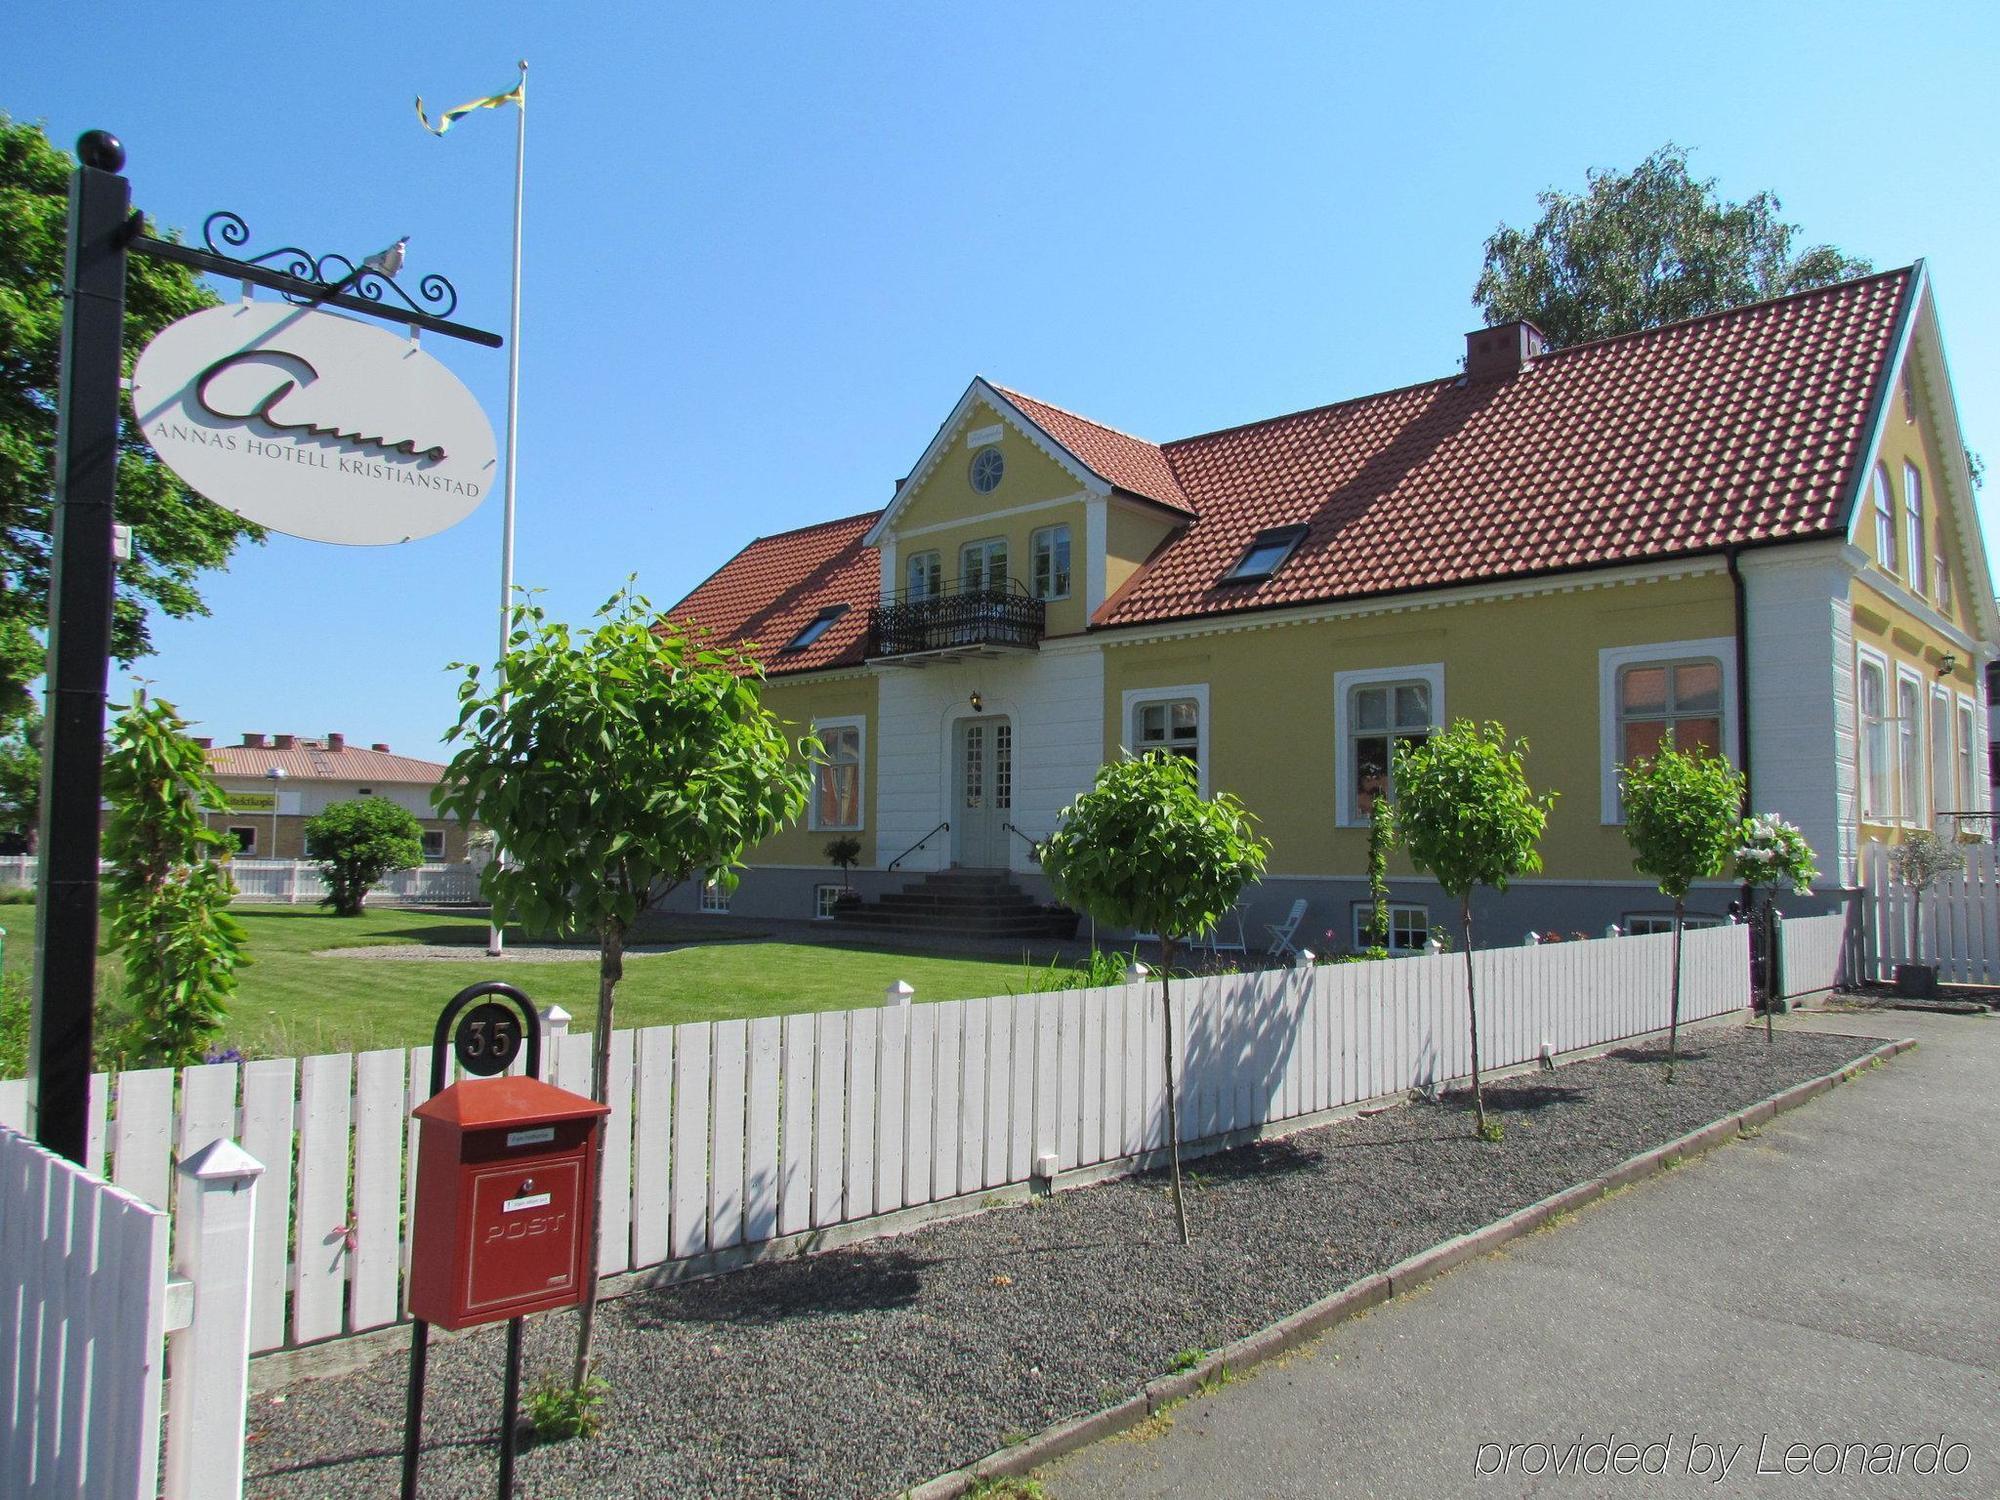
pixel 1948 665
pixel 977 703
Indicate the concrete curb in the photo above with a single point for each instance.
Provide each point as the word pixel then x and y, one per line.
pixel 1288 1333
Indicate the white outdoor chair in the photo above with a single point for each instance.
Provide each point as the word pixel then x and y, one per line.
pixel 1283 932
pixel 1218 938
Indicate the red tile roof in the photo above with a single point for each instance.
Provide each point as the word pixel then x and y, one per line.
pixel 310 760
pixel 771 590
pixel 1131 464
pixel 1741 427
pixel 1744 426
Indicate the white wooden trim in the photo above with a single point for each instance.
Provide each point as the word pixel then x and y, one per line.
pixel 1613 659
pixel 1344 683
pixel 1096 553
pixel 1133 698
pixel 1080 497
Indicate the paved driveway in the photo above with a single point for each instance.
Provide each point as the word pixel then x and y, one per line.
pixel 1829 1282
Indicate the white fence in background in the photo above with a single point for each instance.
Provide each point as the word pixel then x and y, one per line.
pixel 1812 954
pixel 294 881
pixel 729 1133
pixel 1960 917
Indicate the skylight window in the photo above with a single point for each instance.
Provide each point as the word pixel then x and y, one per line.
pixel 815 627
pixel 1265 554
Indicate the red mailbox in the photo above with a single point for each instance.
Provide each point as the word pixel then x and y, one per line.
pixel 505 1172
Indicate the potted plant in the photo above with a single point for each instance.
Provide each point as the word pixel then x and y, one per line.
pixel 1920 862
pixel 845 851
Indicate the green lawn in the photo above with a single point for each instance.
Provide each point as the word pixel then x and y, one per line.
pixel 292 1001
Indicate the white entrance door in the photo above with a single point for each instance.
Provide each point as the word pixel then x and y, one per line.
pixel 983 793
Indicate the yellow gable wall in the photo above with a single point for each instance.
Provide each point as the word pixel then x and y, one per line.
pixel 800 700
pixel 1908 642
pixel 947 501
pixel 1131 534
pixel 1908 438
pixel 1531 663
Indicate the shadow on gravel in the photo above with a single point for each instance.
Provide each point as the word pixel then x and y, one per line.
pixel 1654 1056
pixel 1256 1163
pixel 1520 1098
pixel 832 1283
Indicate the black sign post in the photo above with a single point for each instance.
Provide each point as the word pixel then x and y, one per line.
pixel 486 1040
pixel 82 580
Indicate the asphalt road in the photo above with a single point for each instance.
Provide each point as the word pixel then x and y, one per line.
pixel 1831 1282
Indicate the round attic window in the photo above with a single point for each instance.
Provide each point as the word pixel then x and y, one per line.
pixel 987 467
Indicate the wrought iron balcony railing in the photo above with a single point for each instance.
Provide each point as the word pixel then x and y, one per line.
pixel 958 617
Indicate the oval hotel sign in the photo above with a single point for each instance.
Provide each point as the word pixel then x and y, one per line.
pixel 313 424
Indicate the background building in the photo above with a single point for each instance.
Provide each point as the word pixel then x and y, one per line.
pixel 276 782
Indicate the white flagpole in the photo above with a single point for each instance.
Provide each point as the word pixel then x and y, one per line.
pixel 494 941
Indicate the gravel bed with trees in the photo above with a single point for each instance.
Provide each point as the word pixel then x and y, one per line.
pixel 861 1371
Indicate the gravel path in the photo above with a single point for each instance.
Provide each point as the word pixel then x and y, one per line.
pixel 861 1371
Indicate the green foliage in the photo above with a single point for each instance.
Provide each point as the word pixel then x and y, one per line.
pixel 1099 971
pixel 1143 849
pixel 1641 248
pixel 1464 810
pixel 615 763
pixel 168 893
pixel 1006 1487
pixel 1771 852
pixel 1185 1360
pixel 356 843
pixel 844 851
pixel 177 534
pixel 558 1410
pixel 20 774
pixel 1683 810
pixel 1466 814
pixel 1922 859
pixel 13 1024
pixel 1381 839
pixel 1491 1131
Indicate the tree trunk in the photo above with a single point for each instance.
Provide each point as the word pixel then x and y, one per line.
pixel 1916 924
pixel 1472 1012
pixel 610 969
pixel 1674 994
pixel 1768 916
pixel 1173 1106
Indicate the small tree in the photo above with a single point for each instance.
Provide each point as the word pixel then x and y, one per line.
pixel 1468 818
pixel 167 898
pixel 845 852
pixel 1920 862
pixel 613 765
pixel 1769 852
pixel 1683 810
pixel 356 843
pixel 1381 839
pixel 1143 849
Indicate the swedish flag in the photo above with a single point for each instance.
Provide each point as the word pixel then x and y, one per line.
pixel 518 94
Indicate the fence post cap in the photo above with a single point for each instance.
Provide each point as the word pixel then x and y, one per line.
pixel 222 1160
pixel 1304 958
pixel 1136 971
pixel 898 993
pixel 555 1015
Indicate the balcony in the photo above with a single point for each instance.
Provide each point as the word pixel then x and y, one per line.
pixel 960 620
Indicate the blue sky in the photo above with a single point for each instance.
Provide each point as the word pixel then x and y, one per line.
pixel 767 246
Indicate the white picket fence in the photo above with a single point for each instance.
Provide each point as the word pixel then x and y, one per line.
pixel 730 1133
pixel 294 881
pixel 1812 954
pixel 1961 918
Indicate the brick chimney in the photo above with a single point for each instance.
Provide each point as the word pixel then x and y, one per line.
pixel 1502 351
pixel 204 742
pixel 252 741
pixel 378 745
pixel 335 741
pixel 283 741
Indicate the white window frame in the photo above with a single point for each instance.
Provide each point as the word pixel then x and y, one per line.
pixel 714 900
pixel 1970 754
pixel 935 561
pixel 1885 522
pixel 859 723
pixel 1361 913
pixel 1885 813
pixel 429 834
pixel 1919 759
pixel 1658 922
pixel 826 896
pixel 1133 699
pixel 1913 526
pixel 1431 674
pixel 1051 535
pixel 985 545
pixel 1943 767
pixel 1611 660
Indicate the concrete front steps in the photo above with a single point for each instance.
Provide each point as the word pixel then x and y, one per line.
pixel 959 903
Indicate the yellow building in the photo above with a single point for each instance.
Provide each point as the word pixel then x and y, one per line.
pixel 1753 531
